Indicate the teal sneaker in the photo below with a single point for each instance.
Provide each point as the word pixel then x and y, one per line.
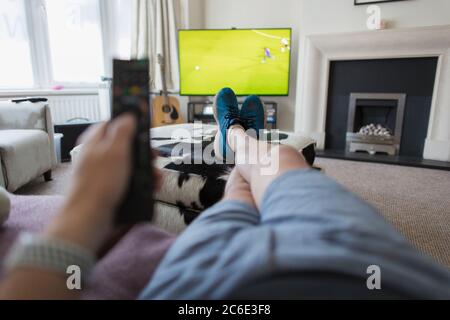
pixel 226 113
pixel 253 115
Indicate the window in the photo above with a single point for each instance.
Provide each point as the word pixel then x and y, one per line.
pixel 15 58
pixel 44 43
pixel 75 40
pixel 122 16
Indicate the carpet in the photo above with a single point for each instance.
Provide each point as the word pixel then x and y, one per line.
pixel 58 186
pixel 415 200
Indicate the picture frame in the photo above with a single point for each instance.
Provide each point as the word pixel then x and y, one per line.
pixel 367 2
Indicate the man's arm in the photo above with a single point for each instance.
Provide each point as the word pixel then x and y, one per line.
pixel 86 219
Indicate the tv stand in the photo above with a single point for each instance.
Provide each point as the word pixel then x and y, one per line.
pixel 201 111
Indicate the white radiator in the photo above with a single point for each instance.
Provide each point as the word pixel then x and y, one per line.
pixel 64 107
pixel 69 107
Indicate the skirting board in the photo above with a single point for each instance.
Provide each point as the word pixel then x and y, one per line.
pixel 437 150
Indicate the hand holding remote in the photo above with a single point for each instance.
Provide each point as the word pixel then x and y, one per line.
pixel 100 181
pixel 131 94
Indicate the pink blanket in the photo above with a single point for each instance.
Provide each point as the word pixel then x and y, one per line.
pixel 121 274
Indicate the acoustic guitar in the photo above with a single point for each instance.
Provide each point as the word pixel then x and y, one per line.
pixel 166 109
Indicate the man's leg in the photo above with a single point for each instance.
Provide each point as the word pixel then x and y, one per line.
pixel 319 225
pixel 253 158
pixel 206 259
pixel 238 189
pixel 307 223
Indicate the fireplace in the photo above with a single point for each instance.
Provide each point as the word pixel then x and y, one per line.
pixel 375 123
pixel 394 94
pixel 323 54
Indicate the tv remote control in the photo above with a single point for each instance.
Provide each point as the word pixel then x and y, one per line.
pixel 131 93
pixel 32 100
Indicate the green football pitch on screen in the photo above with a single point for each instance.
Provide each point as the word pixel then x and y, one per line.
pixel 254 61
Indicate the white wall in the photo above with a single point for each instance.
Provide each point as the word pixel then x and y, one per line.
pixel 327 16
pixel 196 14
pixel 310 17
pixel 338 16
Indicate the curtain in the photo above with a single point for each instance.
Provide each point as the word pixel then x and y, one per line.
pixel 154 31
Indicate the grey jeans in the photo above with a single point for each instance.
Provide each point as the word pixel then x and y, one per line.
pixel 307 223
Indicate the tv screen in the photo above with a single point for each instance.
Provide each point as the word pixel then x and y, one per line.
pixel 250 61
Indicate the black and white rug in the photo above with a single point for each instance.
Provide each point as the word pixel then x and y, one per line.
pixel 192 180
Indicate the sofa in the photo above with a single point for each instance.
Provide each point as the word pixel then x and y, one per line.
pixel 121 274
pixel 26 143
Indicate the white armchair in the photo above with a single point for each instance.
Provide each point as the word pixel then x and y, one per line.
pixel 26 143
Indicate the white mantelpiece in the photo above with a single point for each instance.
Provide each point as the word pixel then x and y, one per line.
pixel 320 50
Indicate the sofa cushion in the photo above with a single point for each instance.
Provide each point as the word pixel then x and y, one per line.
pixel 121 274
pixel 25 155
pixel 25 115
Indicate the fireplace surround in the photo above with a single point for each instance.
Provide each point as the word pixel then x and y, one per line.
pixel 375 109
pixel 319 51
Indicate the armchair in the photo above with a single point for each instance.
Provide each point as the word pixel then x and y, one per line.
pixel 26 143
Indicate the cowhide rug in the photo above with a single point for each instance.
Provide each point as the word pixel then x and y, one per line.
pixel 191 183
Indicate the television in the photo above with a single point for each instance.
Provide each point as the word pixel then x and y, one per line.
pixel 250 61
